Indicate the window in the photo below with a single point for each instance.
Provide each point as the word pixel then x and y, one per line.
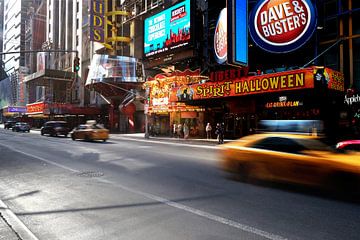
pixel 77 23
pixel 352 147
pixel 77 7
pixel 279 144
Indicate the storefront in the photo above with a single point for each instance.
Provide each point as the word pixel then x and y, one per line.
pixel 351 114
pixel 163 114
pixel 13 112
pixel 309 93
pixel 41 112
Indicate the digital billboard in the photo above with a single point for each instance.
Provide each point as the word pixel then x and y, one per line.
pixel 238 32
pixel 167 30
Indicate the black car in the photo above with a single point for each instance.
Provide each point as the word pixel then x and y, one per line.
pixel 9 124
pixel 21 127
pixel 55 128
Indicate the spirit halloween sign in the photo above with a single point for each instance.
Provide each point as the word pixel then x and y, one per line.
pixel 291 80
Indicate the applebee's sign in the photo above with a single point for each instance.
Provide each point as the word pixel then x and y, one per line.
pixel 282 26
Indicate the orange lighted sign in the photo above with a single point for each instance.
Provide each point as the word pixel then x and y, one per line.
pixel 277 82
pixel 335 80
pixel 35 108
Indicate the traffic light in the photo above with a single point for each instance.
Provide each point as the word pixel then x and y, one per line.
pixel 76 64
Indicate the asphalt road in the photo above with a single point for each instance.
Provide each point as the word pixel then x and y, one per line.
pixel 136 189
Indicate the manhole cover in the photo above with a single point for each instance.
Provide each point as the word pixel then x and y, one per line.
pixel 90 174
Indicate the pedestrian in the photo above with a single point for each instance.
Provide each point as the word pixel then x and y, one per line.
pixel 220 133
pixel 174 129
pixel 208 129
pixel 186 131
pixel 179 130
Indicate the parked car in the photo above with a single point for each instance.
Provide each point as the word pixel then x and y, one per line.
pixel 351 145
pixel 55 128
pixel 90 132
pixel 21 127
pixel 9 124
pixel 293 158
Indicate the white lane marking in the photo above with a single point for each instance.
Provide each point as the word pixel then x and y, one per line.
pixel 16 224
pixel 176 205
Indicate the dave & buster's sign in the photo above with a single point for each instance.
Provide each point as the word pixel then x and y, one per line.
pixel 282 25
pixel 167 30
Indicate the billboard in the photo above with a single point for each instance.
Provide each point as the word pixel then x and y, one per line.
pixel 220 38
pixel 237 28
pixel 168 30
pixel 106 68
pixel 282 26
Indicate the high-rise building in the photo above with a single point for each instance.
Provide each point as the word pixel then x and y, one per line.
pixel 35 24
pixel 13 35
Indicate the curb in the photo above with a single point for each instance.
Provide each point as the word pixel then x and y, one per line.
pixel 15 224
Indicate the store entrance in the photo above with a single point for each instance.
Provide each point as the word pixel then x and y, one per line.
pixel 159 125
pixel 239 125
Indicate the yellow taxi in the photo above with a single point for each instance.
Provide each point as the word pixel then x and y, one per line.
pixel 90 132
pixel 295 158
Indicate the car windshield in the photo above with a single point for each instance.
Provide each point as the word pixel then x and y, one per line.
pixel 60 125
pixel 96 126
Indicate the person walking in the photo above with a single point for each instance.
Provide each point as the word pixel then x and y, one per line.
pixel 208 129
pixel 220 133
pixel 186 131
pixel 179 130
pixel 174 130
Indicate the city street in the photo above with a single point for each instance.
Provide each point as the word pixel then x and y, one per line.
pixel 130 188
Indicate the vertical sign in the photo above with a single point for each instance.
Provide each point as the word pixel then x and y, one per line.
pixel 237 32
pixel 97 21
pixel 40 61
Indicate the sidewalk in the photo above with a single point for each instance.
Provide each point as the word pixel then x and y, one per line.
pixel 200 141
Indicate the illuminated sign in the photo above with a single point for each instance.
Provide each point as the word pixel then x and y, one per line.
pixel 336 80
pixel 17 109
pixel 352 99
pixel 220 38
pixel 35 108
pixel 277 82
pixel 282 25
pixel 283 104
pixel 97 21
pixel 167 30
pixel 238 32
pixel 160 101
pixel 228 74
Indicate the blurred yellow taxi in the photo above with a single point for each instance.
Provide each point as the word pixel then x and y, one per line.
pixel 295 158
pixel 90 132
